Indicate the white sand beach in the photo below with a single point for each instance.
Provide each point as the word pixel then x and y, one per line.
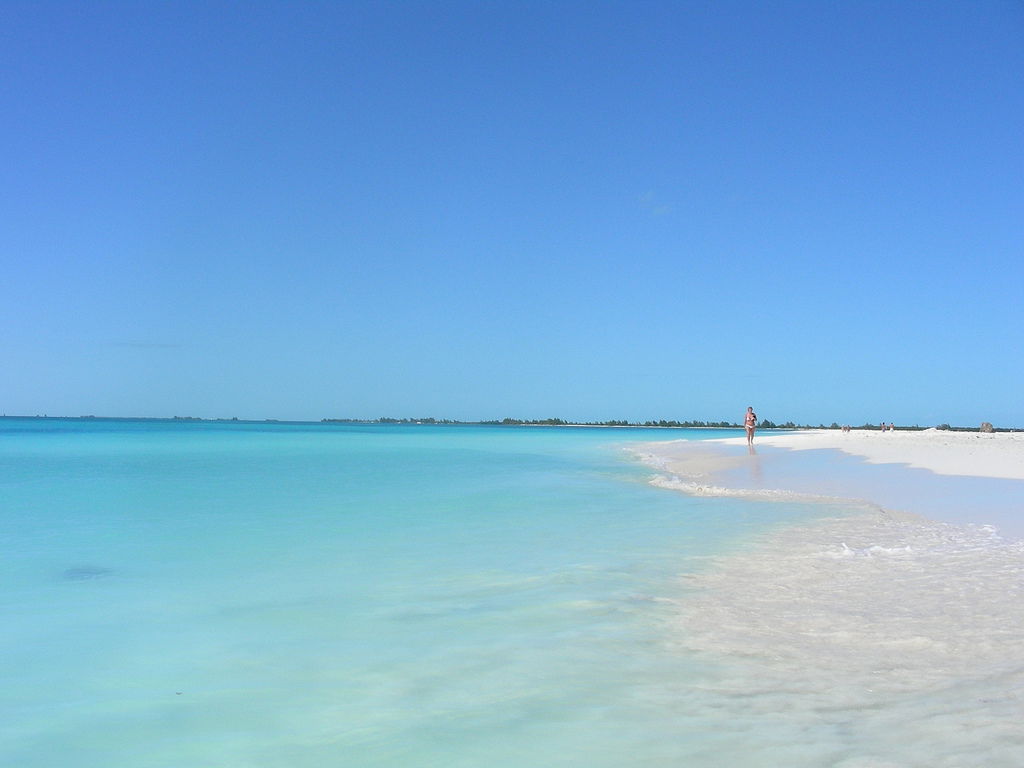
pixel 998 454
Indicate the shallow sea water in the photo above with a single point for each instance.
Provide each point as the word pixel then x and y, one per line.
pixel 180 593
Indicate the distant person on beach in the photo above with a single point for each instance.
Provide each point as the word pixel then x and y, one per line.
pixel 892 427
pixel 750 423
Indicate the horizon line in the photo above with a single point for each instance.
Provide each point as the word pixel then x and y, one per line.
pixel 508 421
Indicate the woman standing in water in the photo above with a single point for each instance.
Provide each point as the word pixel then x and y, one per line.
pixel 750 422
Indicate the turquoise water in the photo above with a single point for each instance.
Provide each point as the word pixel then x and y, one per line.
pixel 240 594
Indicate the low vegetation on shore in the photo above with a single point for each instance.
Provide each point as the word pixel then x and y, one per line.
pixel 555 422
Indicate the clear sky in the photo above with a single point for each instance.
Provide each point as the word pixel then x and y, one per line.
pixel 471 210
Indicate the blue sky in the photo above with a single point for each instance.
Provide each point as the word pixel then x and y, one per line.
pixel 590 210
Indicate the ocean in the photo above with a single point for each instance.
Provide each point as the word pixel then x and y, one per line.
pixel 239 594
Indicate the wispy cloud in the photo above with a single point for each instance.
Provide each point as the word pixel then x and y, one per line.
pixel 145 345
pixel 650 202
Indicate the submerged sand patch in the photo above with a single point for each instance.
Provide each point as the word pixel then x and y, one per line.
pixel 870 624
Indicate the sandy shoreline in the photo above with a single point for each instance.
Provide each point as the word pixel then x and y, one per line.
pixel 999 454
pixel 956 477
pixel 897 598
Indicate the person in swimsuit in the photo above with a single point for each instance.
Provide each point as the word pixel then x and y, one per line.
pixel 750 423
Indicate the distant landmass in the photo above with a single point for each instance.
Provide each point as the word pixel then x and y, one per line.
pixel 510 422
pixel 663 423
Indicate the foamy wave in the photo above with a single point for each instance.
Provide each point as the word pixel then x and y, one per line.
pixel 698 488
pixel 845 551
pixel 697 483
pixel 650 459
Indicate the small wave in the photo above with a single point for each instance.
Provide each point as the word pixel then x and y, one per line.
pixel 698 488
pixel 650 459
pixel 845 551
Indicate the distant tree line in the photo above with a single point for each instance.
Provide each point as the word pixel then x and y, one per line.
pixel 555 422
pixel 612 423
pixel 388 420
